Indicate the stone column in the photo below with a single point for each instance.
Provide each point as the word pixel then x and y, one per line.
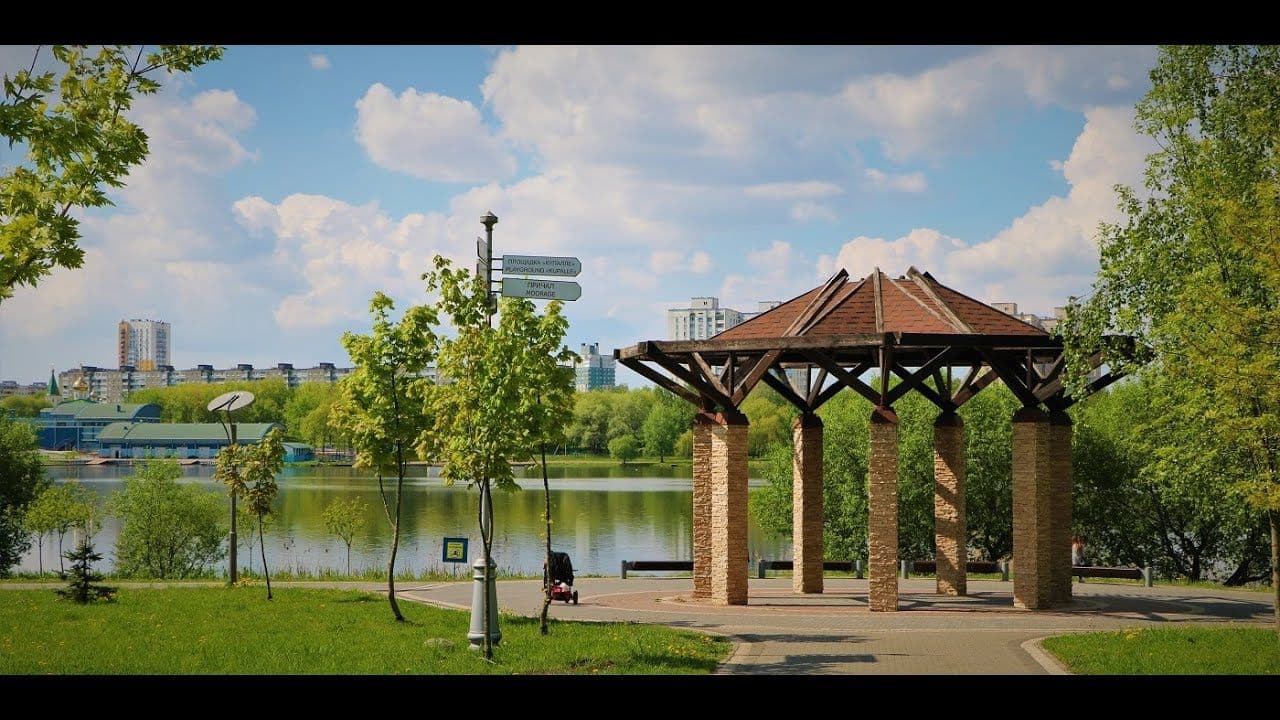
pixel 729 510
pixel 882 501
pixel 1032 542
pixel 702 424
pixel 951 529
pixel 1060 490
pixel 806 505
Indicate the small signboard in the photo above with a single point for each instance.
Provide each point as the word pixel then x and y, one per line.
pixel 541 265
pixel 482 248
pixel 541 289
pixel 455 550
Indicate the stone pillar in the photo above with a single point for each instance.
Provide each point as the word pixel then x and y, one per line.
pixel 729 510
pixel 951 529
pixel 702 424
pixel 1060 491
pixel 882 502
pixel 1032 542
pixel 806 505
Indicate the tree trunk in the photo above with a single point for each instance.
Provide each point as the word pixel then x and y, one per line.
pixel 262 547
pixel 62 570
pixel 1274 517
pixel 395 546
pixel 348 559
pixel 549 580
pixel 40 551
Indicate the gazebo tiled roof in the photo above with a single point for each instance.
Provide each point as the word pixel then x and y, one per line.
pixel 878 303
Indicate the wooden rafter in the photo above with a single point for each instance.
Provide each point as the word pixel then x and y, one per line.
pixel 753 375
pixel 920 302
pixel 973 385
pixel 825 395
pixel 879 300
pixel 815 389
pixel 923 284
pixel 829 288
pixel 916 381
pixel 662 380
pixel 1008 372
pixel 694 379
pixel 843 294
pixel 709 375
pixel 784 389
pixel 845 377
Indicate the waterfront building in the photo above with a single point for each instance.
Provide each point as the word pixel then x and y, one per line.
pixel 184 440
pixel 76 424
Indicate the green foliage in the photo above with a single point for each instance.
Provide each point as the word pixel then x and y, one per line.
pixel 80 586
pixel 189 403
pixel 249 471
pixel 24 405
pixel 78 141
pixel 770 416
pixel 623 448
pixel 988 482
pixel 21 480
pixel 58 509
pixel 384 405
pixel 170 530
pixel 343 518
pixel 197 631
pixel 669 417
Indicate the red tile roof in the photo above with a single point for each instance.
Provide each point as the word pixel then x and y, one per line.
pixel 913 303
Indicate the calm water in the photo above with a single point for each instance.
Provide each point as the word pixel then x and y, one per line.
pixel 602 514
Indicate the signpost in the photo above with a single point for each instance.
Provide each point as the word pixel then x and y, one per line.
pixel 541 289
pixel 541 265
pixel 455 550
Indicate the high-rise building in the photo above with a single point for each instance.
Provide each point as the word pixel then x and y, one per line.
pixel 143 344
pixel 1048 324
pixel 703 318
pixel 593 370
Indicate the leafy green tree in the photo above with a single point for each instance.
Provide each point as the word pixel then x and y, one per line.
pixel 343 518
pixel 988 482
pixel 249 471
pixel 668 418
pixel 169 530
pixel 21 480
pixel 590 428
pixel 384 402
pixel 58 509
pixel 1187 275
pixel 24 405
pixel 770 417
pixel 78 142
pixel 623 448
pixel 482 418
pixel 80 587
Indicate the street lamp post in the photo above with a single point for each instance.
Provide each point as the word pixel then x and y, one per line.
pixel 484 596
pixel 227 402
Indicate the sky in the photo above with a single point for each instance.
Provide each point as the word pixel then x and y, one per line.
pixel 285 184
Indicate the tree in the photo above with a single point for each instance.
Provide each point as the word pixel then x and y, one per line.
pixel 623 448
pixel 668 418
pixel 58 509
pixel 482 417
pixel 1192 273
pixel 384 402
pixel 170 530
pixel 24 405
pixel 21 480
pixel 343 518
pixel 249 471
pixel 81 588
pixel 76 144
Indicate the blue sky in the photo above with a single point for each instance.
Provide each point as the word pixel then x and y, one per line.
pixel 286 183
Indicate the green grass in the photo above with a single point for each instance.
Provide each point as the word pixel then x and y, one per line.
pixel 304 631
pixel 1192 650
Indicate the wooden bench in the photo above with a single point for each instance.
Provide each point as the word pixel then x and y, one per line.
pixel 930 567
pixel 854 566
pixel 1128 573
pixel 656 566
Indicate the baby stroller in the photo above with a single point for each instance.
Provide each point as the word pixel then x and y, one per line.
pixel 560 577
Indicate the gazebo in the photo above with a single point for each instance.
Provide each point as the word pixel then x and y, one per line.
pixel 917 329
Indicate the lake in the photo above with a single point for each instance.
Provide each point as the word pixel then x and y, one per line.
pixel 602 514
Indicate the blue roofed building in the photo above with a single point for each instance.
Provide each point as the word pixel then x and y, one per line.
pixel 179 440
pixel 76 424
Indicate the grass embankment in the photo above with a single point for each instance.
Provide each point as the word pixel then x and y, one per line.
pixel 1194 650
pixel 304 631
pixel 295 575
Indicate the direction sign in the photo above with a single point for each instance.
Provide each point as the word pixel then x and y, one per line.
pixel 541 289
pixel 482 248
pixel 541 265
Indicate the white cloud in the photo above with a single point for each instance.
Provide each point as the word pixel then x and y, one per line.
pixel 807 211
pixel 1044 255
pixel 319 62
pixel 430 136
pixel 665 261
pixel 909 182
pixel 776 272
pixel 700 262
pixel 794 190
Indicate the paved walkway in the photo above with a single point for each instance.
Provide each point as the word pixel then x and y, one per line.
pixel 779 632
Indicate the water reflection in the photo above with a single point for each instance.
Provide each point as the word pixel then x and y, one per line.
pixel 602 514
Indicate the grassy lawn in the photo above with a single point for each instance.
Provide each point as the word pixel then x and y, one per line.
pixel 1192 650
pixel 304 631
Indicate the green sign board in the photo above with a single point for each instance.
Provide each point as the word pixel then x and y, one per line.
pixel 455 550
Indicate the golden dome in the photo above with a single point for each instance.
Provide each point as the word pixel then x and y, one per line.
pixel 80 385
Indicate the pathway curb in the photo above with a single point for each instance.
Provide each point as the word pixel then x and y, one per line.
pixel 1042 656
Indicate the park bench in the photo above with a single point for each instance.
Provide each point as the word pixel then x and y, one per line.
pixel 1130 573
pixel 656 566
pixel 845 565
pixel 930 567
